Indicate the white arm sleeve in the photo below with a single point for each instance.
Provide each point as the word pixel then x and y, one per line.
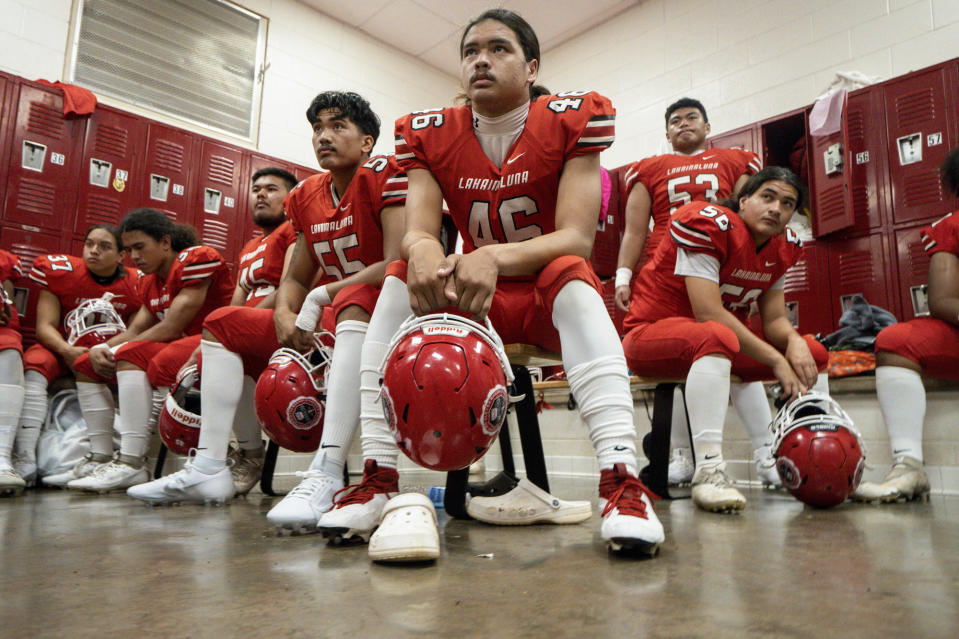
pixel 695 264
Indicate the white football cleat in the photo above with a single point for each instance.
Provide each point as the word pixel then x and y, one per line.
pixel 187 486
pixel 245 469
pixel 681 466
pixel 630 524
pixel 357 509
pixel 766 468
pixel 114 475
pixel 81 469
pixel 906 481
pixel 300 510
pixel 407 530
pixel 11 484
pixel 713 491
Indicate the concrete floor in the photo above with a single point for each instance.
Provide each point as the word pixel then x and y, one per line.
pixel 83 566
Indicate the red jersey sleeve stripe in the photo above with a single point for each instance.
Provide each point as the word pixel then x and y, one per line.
pixel 37 276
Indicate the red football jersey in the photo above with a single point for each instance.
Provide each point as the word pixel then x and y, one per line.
pixel 67 277
pixel 942 235
pixel 192 267
pixel 9 270
pixel 516 201
pixel 744 272
pixel 261 263
pixel 674 180
pixel 9 266
pixel 348 237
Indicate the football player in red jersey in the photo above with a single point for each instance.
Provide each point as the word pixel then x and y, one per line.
pixel 689 307
pixel 66 282
pixel 11 374
pixel 182 283
pixel 921 346
pixel 521 179
pixel 345 219
pixel 656 187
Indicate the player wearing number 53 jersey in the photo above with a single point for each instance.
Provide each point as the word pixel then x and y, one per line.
pixel 690 302
pixel 519 171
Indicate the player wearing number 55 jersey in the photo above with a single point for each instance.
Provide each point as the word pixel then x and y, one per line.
pixel 520 173
pixel 346 220
pixel 689 306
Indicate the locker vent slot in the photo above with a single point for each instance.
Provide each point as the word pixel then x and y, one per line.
pixel 221 170
pixel 111 140
pixel 916 108
pixel 831 203
pixel 855 268
pixel 102 210
pixel 36 197
pixel 924 188
pixel 796 279
pixel 45 120
pixel 168 155
pixel 216 234
pixel 918 262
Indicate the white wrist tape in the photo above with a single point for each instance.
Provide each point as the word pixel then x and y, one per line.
pixel 312 307
pixel 623 276
pixel 100 345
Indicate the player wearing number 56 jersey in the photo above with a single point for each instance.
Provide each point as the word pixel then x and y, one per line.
pixel 519 170
pixel 689 304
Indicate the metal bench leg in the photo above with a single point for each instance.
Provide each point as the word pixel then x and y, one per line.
pixel 454 500
pixel 656 442
pixel 161 458
pixel 269 465
pixel 528 424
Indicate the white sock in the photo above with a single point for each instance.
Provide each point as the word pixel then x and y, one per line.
pixel 902 400
pixel 135 397
pixel 751 403
pixel 597 373
pixel 11 389
pixel 96 405
pixel 245 425
pixel 32 415
pixel 392 308
pixel 342 398
pixel 707 397
pixel 679 427
pixel 221 386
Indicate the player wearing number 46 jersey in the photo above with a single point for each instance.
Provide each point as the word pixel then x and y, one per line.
pixel 689 306
pixel 519 170
pixel 346 220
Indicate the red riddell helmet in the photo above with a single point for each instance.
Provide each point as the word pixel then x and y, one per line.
pixel 819 453
pixel 291 396
pixel 93 322
pixel 444 390
pixel 179 421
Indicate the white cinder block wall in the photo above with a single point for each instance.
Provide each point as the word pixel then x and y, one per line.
pixel 745 59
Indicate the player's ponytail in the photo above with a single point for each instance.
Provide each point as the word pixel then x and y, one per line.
pixel 157 225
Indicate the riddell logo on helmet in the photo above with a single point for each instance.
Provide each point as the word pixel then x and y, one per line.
pixel 445 330
pixel 304 413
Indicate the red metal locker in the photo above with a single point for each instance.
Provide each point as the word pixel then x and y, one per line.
pixel 807 291
pixel 44 160
pixel 913 265
pixel 111 168
pixel 609 235
pixel 219 220
pixel 28 245
pixel 830 192
pixel 864 122
pixel 862 266
pixel 8 88
pixel 746 137
pixel 302 172
pixel 166 181
pixel 919 133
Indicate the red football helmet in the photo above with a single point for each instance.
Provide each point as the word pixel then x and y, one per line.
pixel 819 453
pixel 179 421
pixel 291 395
pixel 444 390
pixel 93 322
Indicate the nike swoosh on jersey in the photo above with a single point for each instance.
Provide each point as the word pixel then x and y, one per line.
pixel 344 208
pixel 770 263
pixel 511 160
